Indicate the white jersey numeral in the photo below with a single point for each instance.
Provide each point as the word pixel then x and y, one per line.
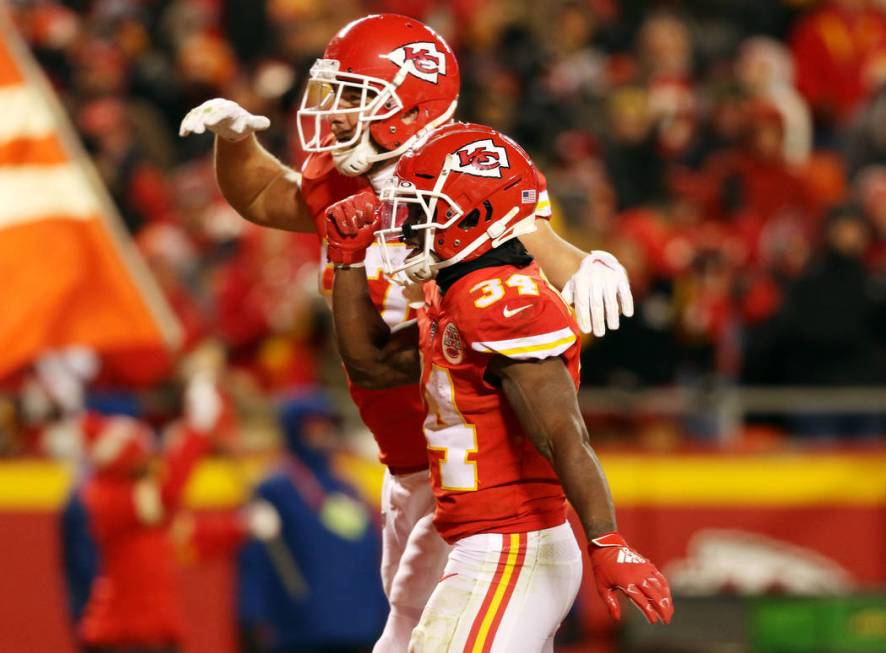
pixel 492 290
pixel 447 432
pixel 524 285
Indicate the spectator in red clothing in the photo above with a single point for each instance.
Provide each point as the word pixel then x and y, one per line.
pixel 133 603
pixel 840 54
pixel 755 181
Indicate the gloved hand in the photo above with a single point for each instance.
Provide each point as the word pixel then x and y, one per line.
pixel 350 229
pixel 224 118
pixel 617 566
pixel 262 520
pixel 204 405
pixel 596 290
pixel 351 213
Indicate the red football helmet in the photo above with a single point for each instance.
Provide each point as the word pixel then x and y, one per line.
pixel 462 191
pixel 378 69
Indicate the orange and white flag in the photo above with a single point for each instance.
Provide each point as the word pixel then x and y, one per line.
pixel 69 272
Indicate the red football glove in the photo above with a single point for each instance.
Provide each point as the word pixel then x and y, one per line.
pixel 353 212
pixel 350 228
pixel 617 566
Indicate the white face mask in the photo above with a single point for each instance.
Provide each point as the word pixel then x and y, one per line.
pixel 378 100
pixel 409 213
pixel 324 100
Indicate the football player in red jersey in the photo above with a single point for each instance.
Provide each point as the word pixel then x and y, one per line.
pixel 497 352
pixel 382 81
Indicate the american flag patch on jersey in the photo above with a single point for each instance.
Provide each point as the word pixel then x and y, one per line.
pixel 528 197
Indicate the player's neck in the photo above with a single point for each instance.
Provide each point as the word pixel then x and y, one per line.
pixel 381 173
pixel 510 253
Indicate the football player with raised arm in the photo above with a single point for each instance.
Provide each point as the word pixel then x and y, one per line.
pixel 496 351
pixel 383 80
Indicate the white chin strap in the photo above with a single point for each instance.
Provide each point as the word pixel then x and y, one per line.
pixel 421 268
pixel 357 160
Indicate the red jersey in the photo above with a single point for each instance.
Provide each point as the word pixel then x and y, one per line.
pixel 487 474
pixel 394 415
pixel 134 601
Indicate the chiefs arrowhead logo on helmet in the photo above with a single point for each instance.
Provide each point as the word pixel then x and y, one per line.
pixel 481 158
pixel 421 59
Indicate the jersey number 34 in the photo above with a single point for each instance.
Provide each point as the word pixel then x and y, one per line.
pixel 446 432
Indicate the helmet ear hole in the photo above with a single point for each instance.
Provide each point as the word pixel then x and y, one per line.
pixel 470 221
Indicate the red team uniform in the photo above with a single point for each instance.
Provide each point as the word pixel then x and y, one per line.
pixel 394 415
pixel 134 601
pixel 488 475
pixel 413 554
pixel 459 201
pixel 498 499
pixel 384 84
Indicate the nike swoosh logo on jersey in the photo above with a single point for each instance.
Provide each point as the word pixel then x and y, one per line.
pixel 510 313
pixel 445 576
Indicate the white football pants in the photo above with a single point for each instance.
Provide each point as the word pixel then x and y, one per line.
pixel 413 555
pixel 502 593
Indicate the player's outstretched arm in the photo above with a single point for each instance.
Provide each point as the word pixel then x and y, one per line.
pixel 373 356
pixel 595 283
pixel 543 396
pixel 253 181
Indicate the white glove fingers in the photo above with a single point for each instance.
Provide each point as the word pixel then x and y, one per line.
pixel 223 117
pixel 185 127
pixel 191 124
pixel 582 298
pixel 259 123
pixel 238 126
pixel 566 293
pixel 624 294
pixel 610 298
pixel 215 118
pixel 598 316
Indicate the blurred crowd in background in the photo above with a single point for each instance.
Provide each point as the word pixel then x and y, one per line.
pixel 731 153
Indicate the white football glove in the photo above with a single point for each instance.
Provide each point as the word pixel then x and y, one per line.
pixel 224 118
pixel 597 290
pixel 263 520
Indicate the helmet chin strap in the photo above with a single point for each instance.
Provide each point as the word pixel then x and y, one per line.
pixel 357 160
pixel 421 269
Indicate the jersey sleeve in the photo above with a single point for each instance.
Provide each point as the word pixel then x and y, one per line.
pixel 526 328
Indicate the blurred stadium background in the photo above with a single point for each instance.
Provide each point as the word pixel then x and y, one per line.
pixel 732 153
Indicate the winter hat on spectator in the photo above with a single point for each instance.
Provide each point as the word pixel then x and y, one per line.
pixel 115 444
